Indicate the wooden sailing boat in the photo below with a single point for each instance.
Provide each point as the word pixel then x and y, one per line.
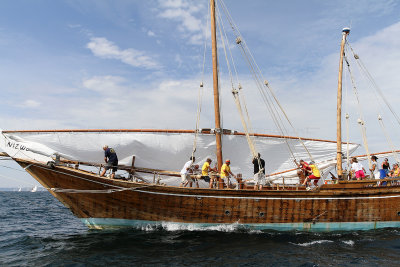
pixel 101 202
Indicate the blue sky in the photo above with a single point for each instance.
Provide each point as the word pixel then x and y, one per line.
pixel 137 64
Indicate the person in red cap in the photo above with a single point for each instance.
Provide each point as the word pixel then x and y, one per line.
pixel 226 171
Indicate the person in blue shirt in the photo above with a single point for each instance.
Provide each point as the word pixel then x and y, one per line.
pixel 110 157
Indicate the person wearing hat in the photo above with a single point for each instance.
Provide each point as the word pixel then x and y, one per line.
pixel 226 171
pixel 110 157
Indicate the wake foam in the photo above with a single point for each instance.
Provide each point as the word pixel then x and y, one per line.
pixel 175 227
pixel 312 243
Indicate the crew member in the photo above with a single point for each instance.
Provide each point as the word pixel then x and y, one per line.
pixel 386 166
pixel 395 171
pixel 205 172
pixel 314 174
pixel 374 167
pixel 186 170
pixel 111 159
pixel 226 172
pixel 259 172
pixel 195 173
pixel 358 169
pixel 304 171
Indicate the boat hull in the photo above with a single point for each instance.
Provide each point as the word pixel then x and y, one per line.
pixel 104 203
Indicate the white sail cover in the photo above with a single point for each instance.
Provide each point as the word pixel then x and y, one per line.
pixel 167 150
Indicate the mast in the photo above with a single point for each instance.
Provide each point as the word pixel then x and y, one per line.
pixel 218 129
pixel 345 32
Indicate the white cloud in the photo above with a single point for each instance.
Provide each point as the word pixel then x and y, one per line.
pixel 151 34
pixel 189 22
pixel 29 103
pixel 178 60
pixel 187 16
pixel 73 26
pixel 174 3
pixel 105 84
pixel 103 48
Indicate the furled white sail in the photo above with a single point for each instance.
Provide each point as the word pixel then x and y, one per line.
pixel 166 150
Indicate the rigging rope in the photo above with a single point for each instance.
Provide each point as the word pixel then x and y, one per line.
pixel 360 113
pixel 368 75
pixel 234 91
pixel 364 70
pixel 249 141
pixel 269 99
pixel 266 98
pixel 200 92
pixel 388 139
pixel 347 126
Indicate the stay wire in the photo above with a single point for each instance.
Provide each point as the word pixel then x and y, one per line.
pixel 234 91
pixel 238 35
pixel 361 121
pixel 200 92
pixel 375 88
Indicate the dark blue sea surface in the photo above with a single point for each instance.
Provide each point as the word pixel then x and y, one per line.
pixel 37 230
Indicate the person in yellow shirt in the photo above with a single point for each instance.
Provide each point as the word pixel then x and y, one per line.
pixel 226 171
pixel 314 174
pixel 395 171
pixel 205 172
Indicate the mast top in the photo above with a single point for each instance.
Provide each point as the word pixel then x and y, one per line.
pixel 346 30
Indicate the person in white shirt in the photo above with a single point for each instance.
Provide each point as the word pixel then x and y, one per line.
pixel 374 167
pixel 357 169
pixel 186 171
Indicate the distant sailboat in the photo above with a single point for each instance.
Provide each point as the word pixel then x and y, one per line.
pixel 19 189
pixel 34 189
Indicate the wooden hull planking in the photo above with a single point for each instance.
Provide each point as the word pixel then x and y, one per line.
pixel 102 202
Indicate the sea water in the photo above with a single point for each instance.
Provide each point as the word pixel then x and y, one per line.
pixel 37 230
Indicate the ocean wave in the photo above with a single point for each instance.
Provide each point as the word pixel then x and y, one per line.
pixel 307 244
pixel 349 242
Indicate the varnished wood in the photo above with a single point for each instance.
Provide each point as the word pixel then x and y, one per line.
pixel 162 131
pixel 215 86
pixel 151 202
pixel 339 108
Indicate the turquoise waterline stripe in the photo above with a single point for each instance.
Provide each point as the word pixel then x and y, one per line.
pixel 103 223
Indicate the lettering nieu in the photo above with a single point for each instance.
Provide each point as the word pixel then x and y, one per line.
pixel 17 146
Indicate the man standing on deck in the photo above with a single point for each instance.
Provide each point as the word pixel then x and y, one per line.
pixel 186 171
pixel 226 172
pixel 259 172
pixel 205 172
pixel 110 157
